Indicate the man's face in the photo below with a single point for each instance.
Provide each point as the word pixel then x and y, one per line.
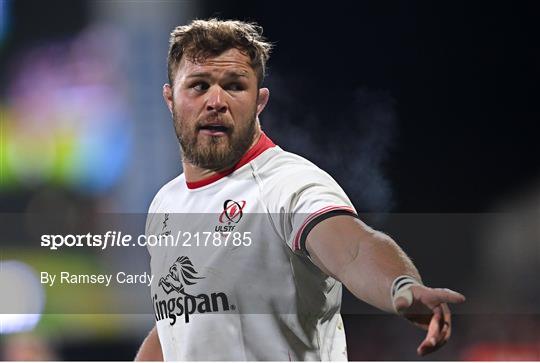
pixel 215 104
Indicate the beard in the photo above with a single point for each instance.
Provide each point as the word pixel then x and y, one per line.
pixel 214 152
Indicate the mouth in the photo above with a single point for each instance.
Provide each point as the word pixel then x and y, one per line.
pixel 214 129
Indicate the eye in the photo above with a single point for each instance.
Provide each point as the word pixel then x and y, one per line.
pixel 200 86
pixel 235 86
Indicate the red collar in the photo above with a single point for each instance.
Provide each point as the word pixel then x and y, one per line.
pixel 262 145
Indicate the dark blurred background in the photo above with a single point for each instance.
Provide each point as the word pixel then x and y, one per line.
pixel 425 112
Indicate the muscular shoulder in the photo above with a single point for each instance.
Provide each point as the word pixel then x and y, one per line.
pixel 293 189
pixel 287 171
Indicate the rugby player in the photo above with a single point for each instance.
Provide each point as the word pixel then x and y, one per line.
pixel 304 238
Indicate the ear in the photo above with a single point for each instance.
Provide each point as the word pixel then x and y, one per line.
pixel 262 100
pixel 168 96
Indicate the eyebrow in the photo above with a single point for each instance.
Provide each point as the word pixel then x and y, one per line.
pixel 232 74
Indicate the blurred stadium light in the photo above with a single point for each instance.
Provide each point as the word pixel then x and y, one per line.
pixel 66 121
pixel 23 297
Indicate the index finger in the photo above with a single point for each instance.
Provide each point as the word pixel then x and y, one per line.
pixel 447 296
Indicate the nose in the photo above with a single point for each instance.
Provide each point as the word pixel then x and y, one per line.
pixel 216 101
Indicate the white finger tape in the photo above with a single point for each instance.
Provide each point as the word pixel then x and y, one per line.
pixel 401 287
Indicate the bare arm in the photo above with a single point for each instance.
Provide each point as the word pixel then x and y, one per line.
pixel 150 349
pixel 349 250
pixel 367 262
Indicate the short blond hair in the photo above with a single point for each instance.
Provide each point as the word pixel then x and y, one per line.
pixel 209 38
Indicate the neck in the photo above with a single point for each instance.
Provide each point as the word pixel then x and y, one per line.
pixel 194 173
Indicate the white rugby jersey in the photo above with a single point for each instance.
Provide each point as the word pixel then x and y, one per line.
pixel 235 281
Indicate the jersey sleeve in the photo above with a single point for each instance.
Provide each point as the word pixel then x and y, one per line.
pixel 304 198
